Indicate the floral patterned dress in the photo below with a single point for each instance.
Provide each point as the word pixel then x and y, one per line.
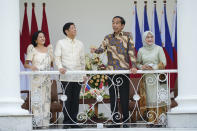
pixel 40 86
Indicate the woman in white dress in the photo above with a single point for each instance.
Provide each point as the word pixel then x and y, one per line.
pixel 152 57
pixel 40 58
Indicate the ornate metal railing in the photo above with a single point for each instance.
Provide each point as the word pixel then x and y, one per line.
pixel 145 108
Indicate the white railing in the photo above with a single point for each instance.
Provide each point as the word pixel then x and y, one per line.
pixel 135 111
pixel 98 72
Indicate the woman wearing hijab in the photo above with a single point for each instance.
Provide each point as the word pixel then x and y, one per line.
pixel 152 57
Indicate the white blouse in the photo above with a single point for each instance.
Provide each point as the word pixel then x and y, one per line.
pixel 69 54
pixel 41 60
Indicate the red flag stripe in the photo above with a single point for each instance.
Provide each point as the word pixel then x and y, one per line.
pixel 45 26
pixel 25 36
pixel 34 26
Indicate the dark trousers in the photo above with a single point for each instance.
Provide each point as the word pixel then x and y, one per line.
pixel 71 105
pixel 123 88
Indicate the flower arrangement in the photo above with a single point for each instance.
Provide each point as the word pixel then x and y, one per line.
pixel 92 115
pixel 94 62
pixel 93 93
pixel 95 86
pixel 96 83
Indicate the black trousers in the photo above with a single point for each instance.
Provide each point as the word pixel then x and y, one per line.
pixel 71 108
pixel 121 84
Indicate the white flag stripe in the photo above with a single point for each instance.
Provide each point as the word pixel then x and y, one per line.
pixel 133 24
pixel 153 23
pixel 173 26
pixel 162 29
pixel 142 29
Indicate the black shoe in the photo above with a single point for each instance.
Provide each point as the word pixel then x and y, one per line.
pixel 113 126
pixel 75 126
pixel 150 125
pixel 125 126
pixel 66 126
pixel 158 126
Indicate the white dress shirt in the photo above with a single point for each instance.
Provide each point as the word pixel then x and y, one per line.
pixel 69 54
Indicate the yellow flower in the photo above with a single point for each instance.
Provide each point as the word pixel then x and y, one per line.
pixel 91 81
pixel 88 66
pixel 106 77
pixel 96 84
pixel 94 77
pixel 98 76
pixel 102 76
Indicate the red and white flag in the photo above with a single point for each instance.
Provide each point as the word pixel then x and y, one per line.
pixel 34 26
pixel 44 27
pixel 24 42
pixel 25 36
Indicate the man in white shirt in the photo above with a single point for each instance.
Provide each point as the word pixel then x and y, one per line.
pixel 69 56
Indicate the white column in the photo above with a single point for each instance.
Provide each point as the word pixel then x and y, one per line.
pixel 10 101
pixel 187 52
pixel 185 114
